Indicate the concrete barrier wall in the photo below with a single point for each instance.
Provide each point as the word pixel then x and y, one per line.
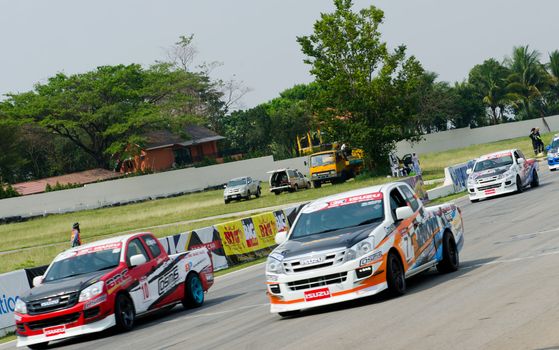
pixel 458 138
pixel 143 187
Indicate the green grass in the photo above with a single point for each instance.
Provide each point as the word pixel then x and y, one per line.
pixel 8 337
pixel 50 235
pixel 447 198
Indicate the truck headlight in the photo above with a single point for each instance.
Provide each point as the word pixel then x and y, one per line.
pixel 358 250
pixel 508 174
pixel 273 265
pixel 332 172
pixel 92 291
pixel 20 306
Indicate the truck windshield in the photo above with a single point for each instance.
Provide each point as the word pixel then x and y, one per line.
pixel 555 144
pixel 322 159
pixel 79 264
pixel 337 218
pixel 237 182
pixel 492 163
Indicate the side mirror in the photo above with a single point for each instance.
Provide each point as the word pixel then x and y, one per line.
pixel 281 237
pixel 224 186
pixel 521 160
pixel 403 213
pixel 547 148
pixel 469 171
pixel 37 281
pixel 137 260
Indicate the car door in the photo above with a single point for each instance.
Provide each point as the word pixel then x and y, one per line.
pixel 142 294
pixel 403 228
pixel 524 168
pixel 300 180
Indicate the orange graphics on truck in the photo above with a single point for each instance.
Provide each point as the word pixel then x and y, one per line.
pixel 359 243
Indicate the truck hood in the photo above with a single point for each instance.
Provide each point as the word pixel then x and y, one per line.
pixel 490 172
pixel 344 238
pixel 233 188
pixel 64 286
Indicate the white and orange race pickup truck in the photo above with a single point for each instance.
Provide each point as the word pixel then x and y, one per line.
pixel 359 243
pixel 109 283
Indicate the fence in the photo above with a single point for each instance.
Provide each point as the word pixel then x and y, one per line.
pixel 140 188
pixel 458 138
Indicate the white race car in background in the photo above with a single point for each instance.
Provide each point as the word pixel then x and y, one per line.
pixel 501 172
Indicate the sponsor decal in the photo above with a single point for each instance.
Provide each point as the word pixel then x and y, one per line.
pixel 490 191
pixel 117 280
pixel 371 258
pixel 313 260
pixel 210 246
pixel 144 285
pixel 50 302
pixel 95 302
pixel 355 199
pixel 52 331
pixel 109 246
pixel 168 281
pixel 317 294
pixel 498 155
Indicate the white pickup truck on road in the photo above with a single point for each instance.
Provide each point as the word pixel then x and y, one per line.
pixel 358 243
pixel 501 172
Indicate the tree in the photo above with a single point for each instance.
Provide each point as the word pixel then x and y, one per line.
pixel 11 159
pixel 552 95
pixel 527 81
pixel 104 111
pixel 363 88
pixel 469 108
pixel 249 131
pixel 489 81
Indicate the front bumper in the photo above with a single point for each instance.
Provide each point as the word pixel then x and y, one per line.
pixel 289 292
pixel 93 327
pixel 553 163
pixel 491 189
pixel 76 320
pixel 237 195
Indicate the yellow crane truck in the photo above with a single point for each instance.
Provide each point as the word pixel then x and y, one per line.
pixel 334 166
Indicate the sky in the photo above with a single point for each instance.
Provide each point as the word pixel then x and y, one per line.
pixel 254 40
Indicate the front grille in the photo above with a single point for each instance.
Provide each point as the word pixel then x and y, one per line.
pixel 64 302
pixel 487 179
pixel 326 259
pixel 54 321
pixel 20 328
pixel 488 187
pixel 318 281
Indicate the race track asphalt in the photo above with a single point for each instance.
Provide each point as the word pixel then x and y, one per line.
pixel 504 296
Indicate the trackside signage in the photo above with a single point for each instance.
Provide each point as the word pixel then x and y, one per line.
pixel 12 285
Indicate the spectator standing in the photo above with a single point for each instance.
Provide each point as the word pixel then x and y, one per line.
pixel 75 239
pixel 537 142
pixel 415 162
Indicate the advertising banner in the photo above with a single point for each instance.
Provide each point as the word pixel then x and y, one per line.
pixel 416 182
pixel 458 175
pixel 233 238
pixel 266 229
pixel 12 285
pixel 208 237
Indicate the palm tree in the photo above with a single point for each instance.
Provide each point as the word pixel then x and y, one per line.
pixel 489 81
pixel 527 81
pixel 553 70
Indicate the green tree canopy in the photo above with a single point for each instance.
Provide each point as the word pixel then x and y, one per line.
pixel 366 92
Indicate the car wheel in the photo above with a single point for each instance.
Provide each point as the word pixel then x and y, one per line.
pixel 552 169
pixel 277 192
pixel 395 277
pixel 226 201
pixel 193 292
pixel 258 192
pixel 535 180
pixel 317 184
pixel 39 346
pixel 125 315
pixel 295 188
pixel 474 200
pixel 248 195
pixel 451 259
pixel 289 313
pixel 519 188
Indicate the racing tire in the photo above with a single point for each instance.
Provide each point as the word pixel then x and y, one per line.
pixel 519 188
pixel 226 201
pixel 552 169
pixel 535 180
pixel 193 292
pixel 248 195
pixel 296 188
pixel 316 184
pixel 451 259
pixel 474 200
pixel 125 314
pixel 258 192
pixel 289 313
pixel 38 346
pixel 277 193
pixel 395 276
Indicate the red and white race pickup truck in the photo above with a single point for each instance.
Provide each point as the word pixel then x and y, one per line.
pixel 109 283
